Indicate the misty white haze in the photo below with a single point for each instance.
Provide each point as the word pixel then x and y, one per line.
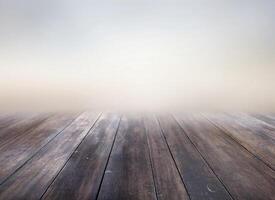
pixel 137 55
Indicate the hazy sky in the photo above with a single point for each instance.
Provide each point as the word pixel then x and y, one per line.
pixel 137 54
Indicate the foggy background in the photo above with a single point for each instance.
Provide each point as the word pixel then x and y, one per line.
pixel 137 55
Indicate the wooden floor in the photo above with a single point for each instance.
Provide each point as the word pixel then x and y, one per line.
pixel 137 156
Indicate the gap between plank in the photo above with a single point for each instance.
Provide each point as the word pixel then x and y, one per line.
pixel 70 156
pixel 162 133
pixel 150 160
pixel 66 126
pixel 226 132
pixel 203 157
pixel 101 181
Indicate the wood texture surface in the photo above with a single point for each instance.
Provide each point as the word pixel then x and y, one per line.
pixel 255 136
pixel 238 169
pixel 82 175
pixel 137 156
pixel 31 180
pixel 169 185
pixel 10 119
pixel 129 174
pixel 12 132
pixel 270 119
pixel 200 180
pixel 15 153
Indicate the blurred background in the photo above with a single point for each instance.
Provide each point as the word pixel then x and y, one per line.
pixel 186 55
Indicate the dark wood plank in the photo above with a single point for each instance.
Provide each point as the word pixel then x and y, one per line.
pixel 81 177
pixel 32 179
pixel 129 173
pixel 169 185
pixel 253 135
pixel 18 129
pixel 200 181
pixel 244 176
pixel 15 153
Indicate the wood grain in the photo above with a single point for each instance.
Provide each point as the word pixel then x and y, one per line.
pixel 81 177
pixel 199 179
pixel 32 180
pixel 16 130
pixel 16 152
pixel 252 134
pixel 129 174
pixel 245 176
pixel 265 118
pixel 169 185
pixel 139 157
pixel 7 120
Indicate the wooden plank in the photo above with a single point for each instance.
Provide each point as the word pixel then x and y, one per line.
pixel 253 135
pixel 15 153
pixel 255 125
pixel 244 176
pixel 7 120
pixel 32 179
pixel 200 181
pixel 169 185
pixel 81 177
pixel 265 118
pixel 18 129
pixel 129 173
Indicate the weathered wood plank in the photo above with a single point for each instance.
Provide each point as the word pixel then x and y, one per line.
pixel 129 173
pixel 244 176
pixel 253 135
pixel 169 185
pixel 10 119
pixel 20 128
pixel 265 118
pixel 32 180
pixel 200 181
pixel 82 175
pixel 7 120
pixel 15 153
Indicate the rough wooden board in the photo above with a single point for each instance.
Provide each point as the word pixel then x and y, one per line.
pixel 82 175
pixel 16 152
pixel 255 125
pixel 199 179
pixel 256 137
pixel 32 180
pixel 141 165
pixel 129 174
pixel 169 185
pixel 7 120
pixel 265 118
pixel 244 176
pixel 20 128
